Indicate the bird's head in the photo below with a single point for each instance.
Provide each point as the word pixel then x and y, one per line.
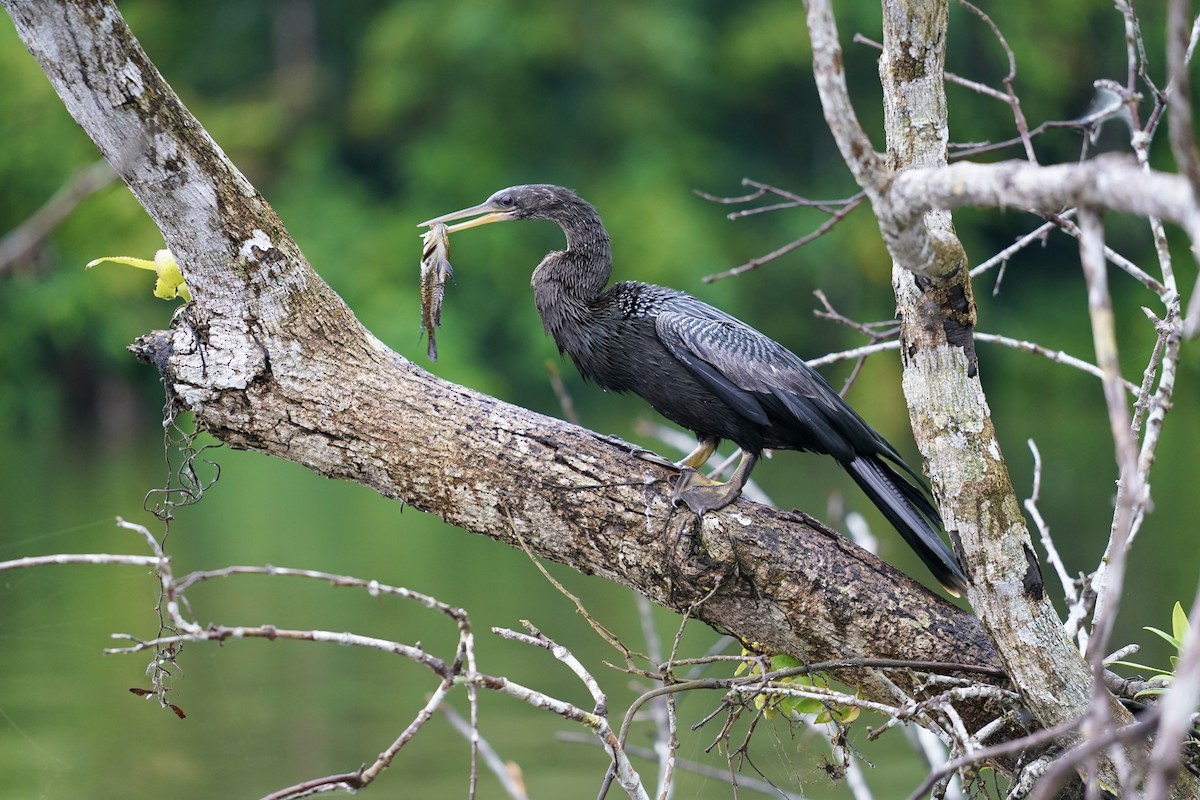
pixel 534 201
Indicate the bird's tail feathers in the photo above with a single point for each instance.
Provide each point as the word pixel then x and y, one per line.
pixel 913 515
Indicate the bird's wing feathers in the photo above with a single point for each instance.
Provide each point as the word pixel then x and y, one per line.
pixel 678 334
pixel 736 362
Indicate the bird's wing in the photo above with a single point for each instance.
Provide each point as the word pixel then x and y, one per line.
pixel 679 333
pixel 735 361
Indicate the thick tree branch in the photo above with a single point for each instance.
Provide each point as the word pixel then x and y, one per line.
pixel 857 151
pixel 269 358
pixel 951 417
pixel 1111 182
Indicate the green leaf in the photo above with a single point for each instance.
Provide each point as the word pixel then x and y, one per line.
pixel 843 714
pixel 801 705
pixel 1134 665
pixel 783 661
pixel 1179 623
pixel 1170 639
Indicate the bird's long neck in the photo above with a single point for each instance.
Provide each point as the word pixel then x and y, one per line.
pixel 568 282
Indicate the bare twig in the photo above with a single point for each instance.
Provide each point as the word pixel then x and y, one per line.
pixel 1117 260
pixel 424 715
pixel 995 751
pixel 80 558
pixel 508 773
pixel 1039 234
pixel 666 740
pixel 791 200
pixel 1108 581
pixel 1031 505
pixel 824 228
pixel 1009 95
pixel 867 165
pixel 874 331
pixel 626 776
pixel 1179 121
pixel 696 768
pixel 1057 356
pixel 565 401
pixel 1058 771
pixel 603 632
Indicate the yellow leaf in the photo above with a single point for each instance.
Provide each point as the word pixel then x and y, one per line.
pixel 170 283
pixel 170 280
pixel 140 263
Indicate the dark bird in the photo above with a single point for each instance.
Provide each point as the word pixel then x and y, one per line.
pixel 706 371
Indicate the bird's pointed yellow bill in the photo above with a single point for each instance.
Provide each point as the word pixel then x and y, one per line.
pixel 488 212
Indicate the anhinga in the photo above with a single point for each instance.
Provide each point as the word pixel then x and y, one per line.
pixel 706 371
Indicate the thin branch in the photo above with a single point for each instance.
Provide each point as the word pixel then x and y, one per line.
pixel 1057 356
pixel 824 228
pixel 1009 96
pixel 1113 257
pixel 604 633
pixel 1182 133
pixel 1038 234
pixel 1031 505
pixel 1108 581
pixel 867 165
pixel 80 558
pixel 508 773
pixel 19 244
pixel 1064 767
pixel 694 767
pixel 626 775
pixel 565 401
pixel 1042 736
pixel 761 190
pixel 424 715
pixel 661 714
pixel 1156 405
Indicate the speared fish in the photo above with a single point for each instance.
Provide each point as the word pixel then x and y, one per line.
pixel 435 272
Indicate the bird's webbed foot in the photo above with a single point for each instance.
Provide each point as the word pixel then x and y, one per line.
pixel 702 494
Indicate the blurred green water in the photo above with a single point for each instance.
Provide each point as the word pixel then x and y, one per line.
pixel 263 714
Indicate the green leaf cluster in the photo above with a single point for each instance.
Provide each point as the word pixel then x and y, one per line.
pixel 1176 638
pixel 791 706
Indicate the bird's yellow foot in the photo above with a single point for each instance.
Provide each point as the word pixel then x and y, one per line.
pixel 702 494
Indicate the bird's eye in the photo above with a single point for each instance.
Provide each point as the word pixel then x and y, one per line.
pixel 506 200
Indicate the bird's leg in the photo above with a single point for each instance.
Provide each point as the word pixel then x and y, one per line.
pixel 699 457
pixel 702 494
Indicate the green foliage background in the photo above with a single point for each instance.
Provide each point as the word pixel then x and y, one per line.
pixel 383 114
